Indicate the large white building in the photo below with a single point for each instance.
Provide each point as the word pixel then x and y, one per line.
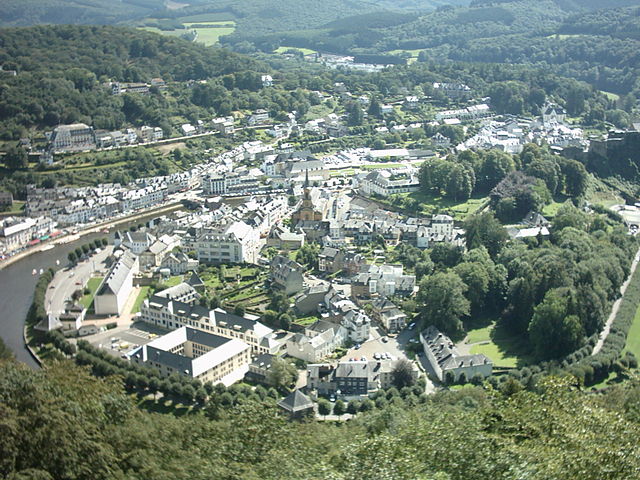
pixel 173 314
pixel 389 182
pixel 113 292
pixel 234 243
pixel 197 354
pixel 68 138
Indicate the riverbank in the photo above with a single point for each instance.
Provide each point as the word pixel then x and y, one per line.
pixel 89 230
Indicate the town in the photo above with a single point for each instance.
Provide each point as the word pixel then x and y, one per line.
pixel 268 251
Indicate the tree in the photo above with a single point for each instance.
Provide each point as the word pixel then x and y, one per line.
pixel 554 331
pixel 443 300
pixel 16 158
pixel 576 177
pixel 355 115
pixel 282 374
pixel 485 230
pixel 353 407
pixel 239 309
pixel 476 278
pixel 72 257
pixel 324 407
pixel 339 408
pixel 201 396
pixel 375 110
pixel 402 374
pixel 5 352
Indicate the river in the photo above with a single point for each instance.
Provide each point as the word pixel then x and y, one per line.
pixel 17 284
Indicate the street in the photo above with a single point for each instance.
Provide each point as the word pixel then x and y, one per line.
pixel 67 281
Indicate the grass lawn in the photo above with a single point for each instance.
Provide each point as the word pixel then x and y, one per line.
pixel 551 210
pixel 15 209
pixel 305 321
pixel 611 96
pixel 458 210
pixel 144 292
pixel 633 338
pixel 479 334
pixel 375 166
pixel 504 349
pixel 92 285
pixel 499 357
pixel 173 281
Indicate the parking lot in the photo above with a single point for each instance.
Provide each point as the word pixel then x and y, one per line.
pixel 121 340
pixel 380 343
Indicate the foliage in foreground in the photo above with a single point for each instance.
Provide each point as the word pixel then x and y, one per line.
pixel 62 423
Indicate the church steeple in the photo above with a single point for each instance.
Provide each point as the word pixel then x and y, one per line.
pixel 306 178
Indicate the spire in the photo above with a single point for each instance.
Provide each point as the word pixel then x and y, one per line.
pixel 306 178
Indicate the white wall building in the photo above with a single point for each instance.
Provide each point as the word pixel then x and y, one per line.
pixel 197 354
pixel 235 243
pixel 113 292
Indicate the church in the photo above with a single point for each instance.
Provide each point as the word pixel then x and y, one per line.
pixel 307 211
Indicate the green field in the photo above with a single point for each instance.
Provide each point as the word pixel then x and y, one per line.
pixel 500 359
pixel 551 210
pixel 92 285
pixel 612 96
pixel 633 337
pixel 15 209
pixel 479 334
pixel 208 17
pixel 144 292
pixel 209 31
pixel 304 51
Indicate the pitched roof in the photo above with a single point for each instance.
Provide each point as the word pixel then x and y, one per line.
pixel 114 281
pixel 195 280
pixel 296 401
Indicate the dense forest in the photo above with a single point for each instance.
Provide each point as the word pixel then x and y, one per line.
pixel 62 423
pixel 598 47
pixel 51 88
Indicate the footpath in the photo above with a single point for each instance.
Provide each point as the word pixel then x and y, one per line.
pixel 616 306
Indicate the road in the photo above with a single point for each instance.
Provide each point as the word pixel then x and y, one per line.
pixel 67 281
pixel 616 307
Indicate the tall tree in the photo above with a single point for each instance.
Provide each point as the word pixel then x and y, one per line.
pixel 443 301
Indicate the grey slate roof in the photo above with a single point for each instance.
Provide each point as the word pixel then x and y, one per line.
pixel 114 281
pixel 296 401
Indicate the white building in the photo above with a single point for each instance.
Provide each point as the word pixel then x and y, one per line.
pixel 113 292
pixel 446 361
pixel 74 137
pixel 137 241
pixel 196 354
pixel 235 243
pixel 318 341
pixel 173 314
pixel 389 182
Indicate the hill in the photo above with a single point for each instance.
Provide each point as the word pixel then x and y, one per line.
pixel 52 88
pixel 84 428
pixel 32 12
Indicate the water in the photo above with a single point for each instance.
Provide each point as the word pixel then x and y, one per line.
pixel 17 284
